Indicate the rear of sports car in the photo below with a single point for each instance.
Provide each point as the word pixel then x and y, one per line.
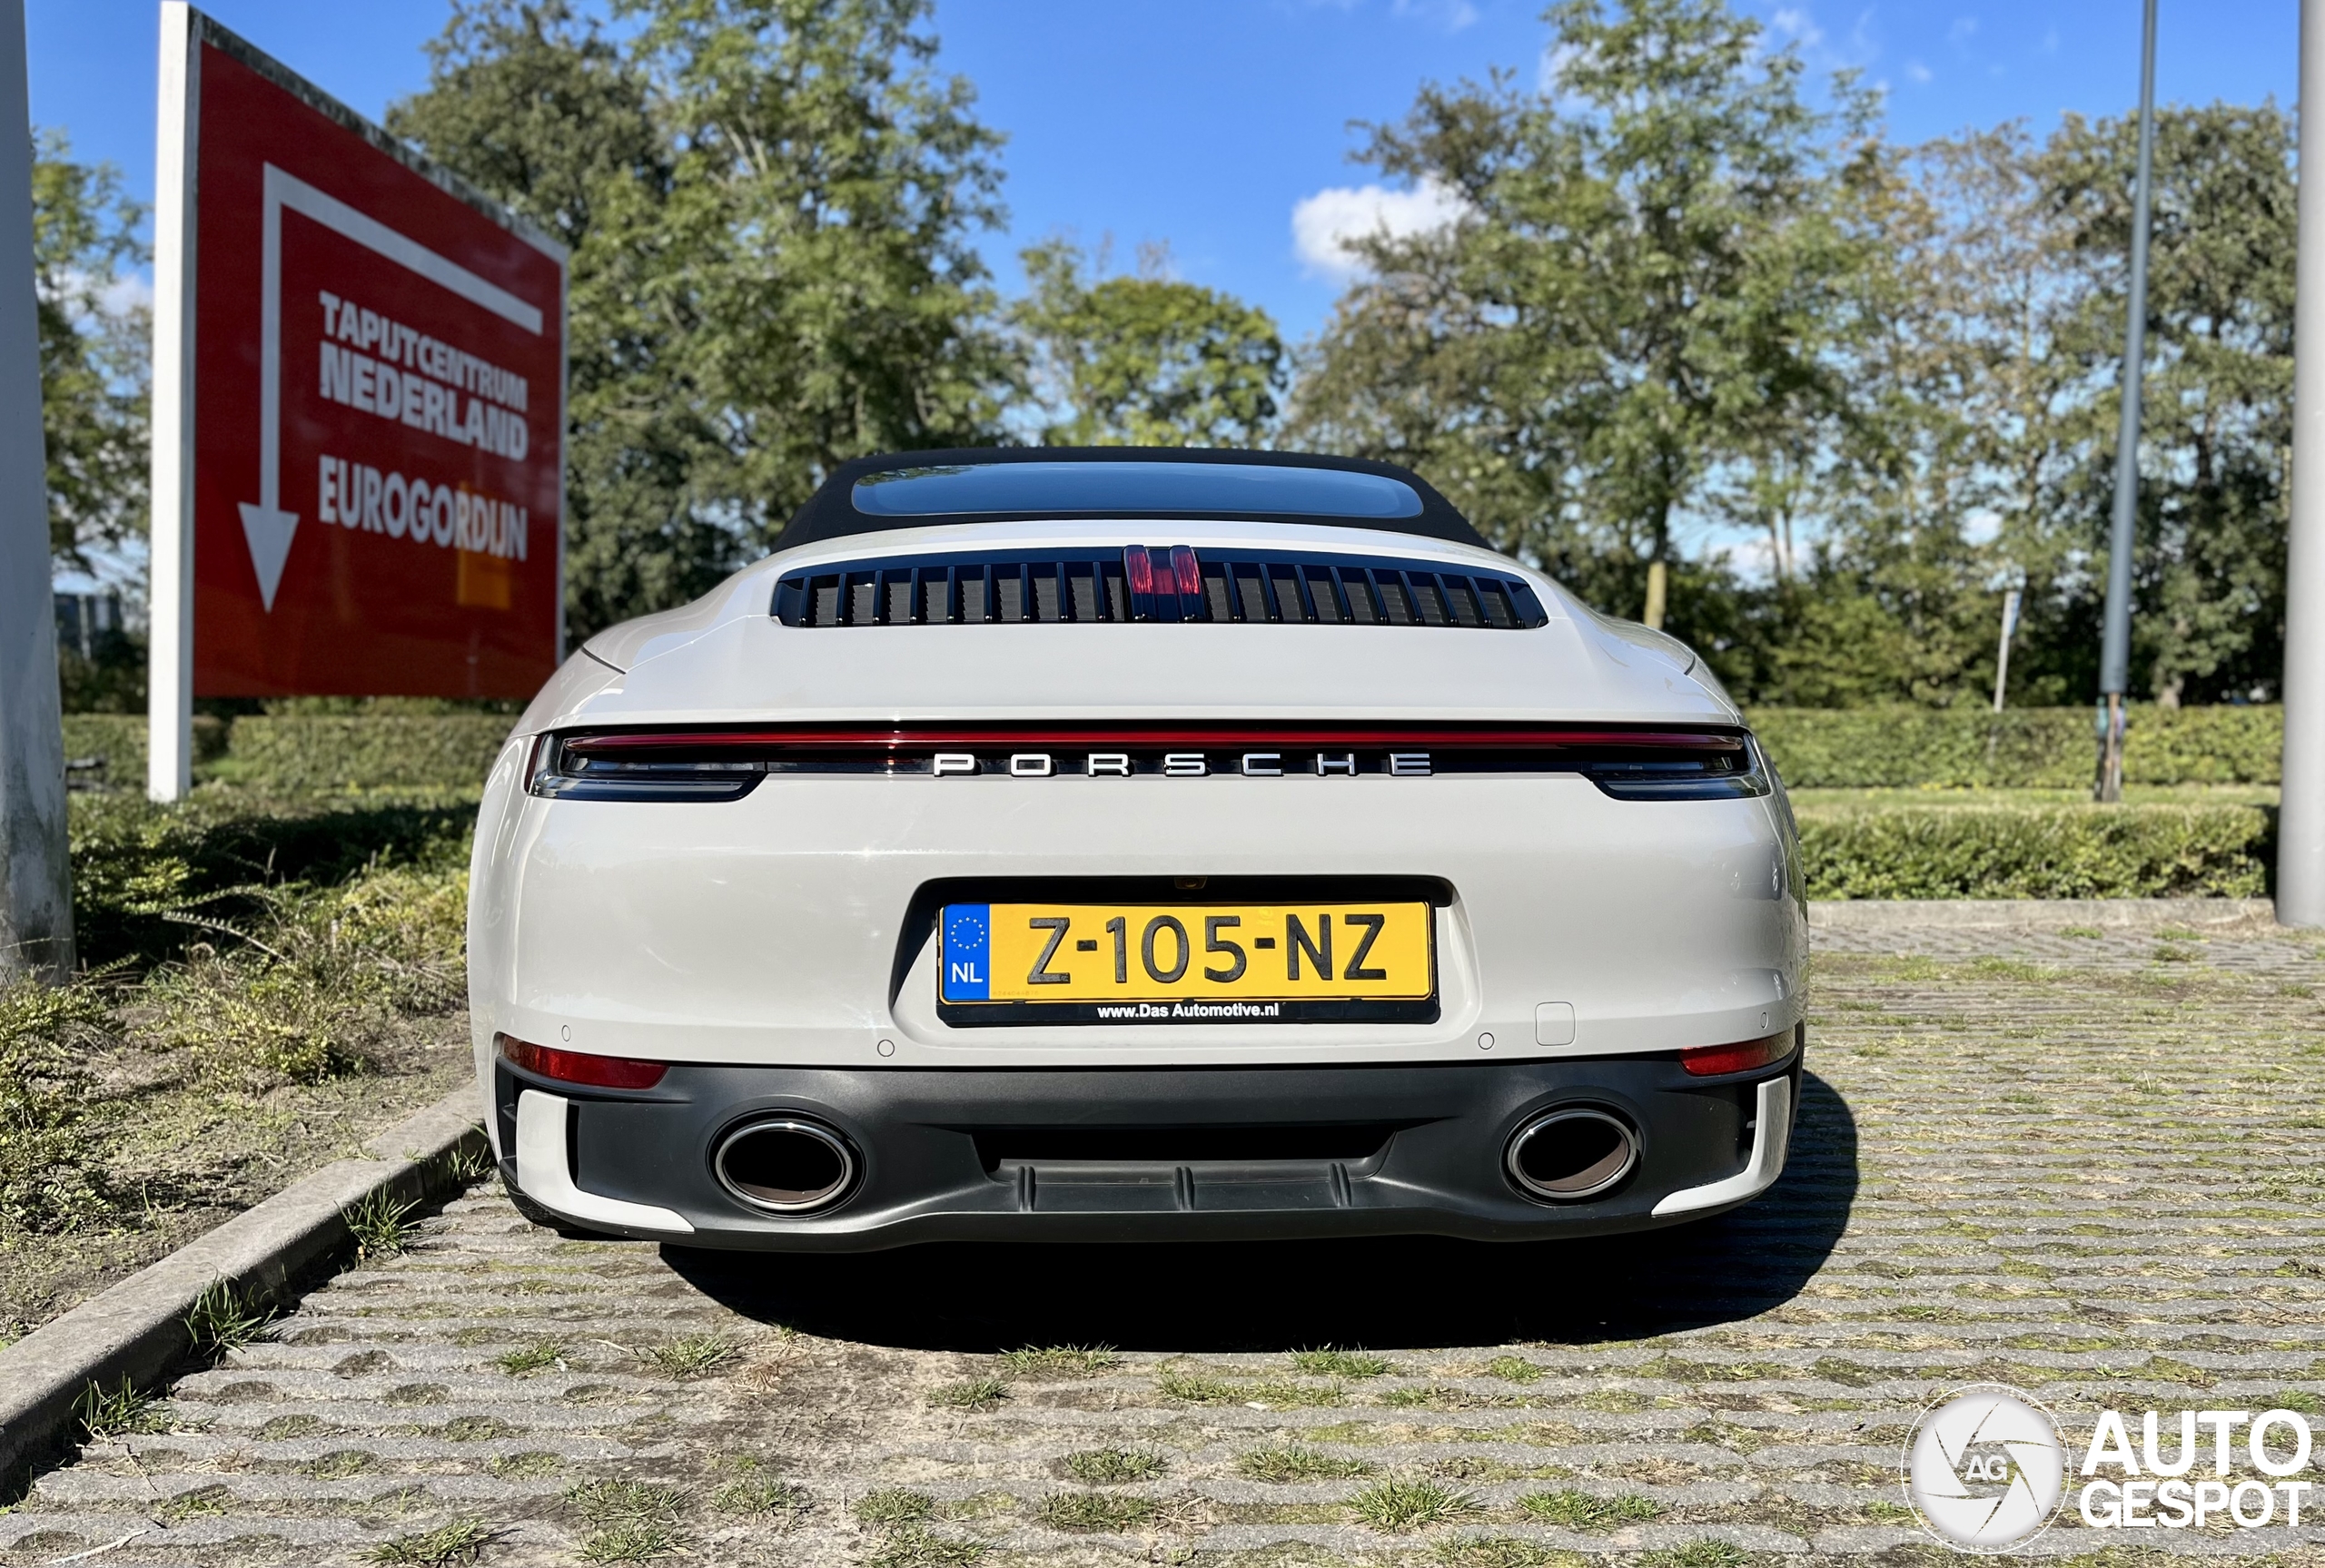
pixel 1107 847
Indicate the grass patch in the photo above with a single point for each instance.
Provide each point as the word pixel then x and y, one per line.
pixel 1088 1513
pixel 223 1319
pixel 1513 1369
pixel 753 1492
pixel 1115 1466
pixel 380 1225
pixel 891 1506
pixel 1503 1552
pixel 1395 1506
pixel 1328 1363
pixel 1581 1511
pixel 460 1541
pixel 269 979
pixel 1279 1392
pixel 629 1521
pixel 694 1355
pixel 340 1463
pixel 1704 1552
pixel 918 1547
pixel 977 1393
pixel 1060 1361
pixel 528 1360
pixel 115 1412
pixel 1297 1464
pixel 526 1466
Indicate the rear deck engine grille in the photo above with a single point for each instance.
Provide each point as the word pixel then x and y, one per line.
pixel 1154 583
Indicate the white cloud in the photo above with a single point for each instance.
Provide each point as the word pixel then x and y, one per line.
pixel 1918 72
pixel 1794 23
pixel 1453 15
pixel 1322 224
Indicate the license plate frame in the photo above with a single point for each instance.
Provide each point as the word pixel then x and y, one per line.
pixel 1135 963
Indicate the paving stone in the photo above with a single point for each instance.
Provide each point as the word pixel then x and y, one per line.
pixel 2088 1166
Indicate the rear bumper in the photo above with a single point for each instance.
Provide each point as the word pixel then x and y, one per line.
pixel 1145 1154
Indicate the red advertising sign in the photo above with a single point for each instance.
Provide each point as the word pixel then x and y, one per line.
pixel 372 413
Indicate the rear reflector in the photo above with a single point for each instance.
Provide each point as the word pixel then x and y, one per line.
pixel 580 1067
pixel 1711 1060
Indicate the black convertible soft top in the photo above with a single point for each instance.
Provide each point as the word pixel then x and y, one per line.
pixel 1009 484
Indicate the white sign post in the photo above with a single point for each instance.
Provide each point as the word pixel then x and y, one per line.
pixel 35 878
pixel 2300 826
pixel 169 678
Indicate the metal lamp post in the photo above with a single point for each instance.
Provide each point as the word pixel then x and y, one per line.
pixel 2115 647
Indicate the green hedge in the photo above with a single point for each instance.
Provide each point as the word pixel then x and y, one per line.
pixel 2024 748
pixel 2076 851
pixel 301 751
pixel 115 743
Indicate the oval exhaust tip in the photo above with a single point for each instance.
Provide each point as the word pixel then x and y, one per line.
pixel 1571 1154
pixel 784 1165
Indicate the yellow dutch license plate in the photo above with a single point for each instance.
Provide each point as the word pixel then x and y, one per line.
pixel 1187 963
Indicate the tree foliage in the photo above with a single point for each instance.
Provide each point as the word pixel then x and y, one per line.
pixel 771 206
pixel 93 351
pixel 1145 360
pixel 1682 303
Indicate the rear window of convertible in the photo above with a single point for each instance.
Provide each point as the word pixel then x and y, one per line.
pixel 1192 488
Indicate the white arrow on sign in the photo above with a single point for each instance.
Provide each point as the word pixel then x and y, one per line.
pixel 266 525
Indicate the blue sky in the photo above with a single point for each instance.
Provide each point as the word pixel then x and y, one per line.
pixel 1206 123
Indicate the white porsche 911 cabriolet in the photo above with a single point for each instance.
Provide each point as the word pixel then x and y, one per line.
pixel 1117 843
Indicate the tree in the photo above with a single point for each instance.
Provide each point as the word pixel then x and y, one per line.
pixel 1634 302
pixel 93 351
pixel 2208 575
pixel 1146 361
pixel 771 204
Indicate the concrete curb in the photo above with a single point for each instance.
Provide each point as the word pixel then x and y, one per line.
pixel 2040 913
pixel 136 1329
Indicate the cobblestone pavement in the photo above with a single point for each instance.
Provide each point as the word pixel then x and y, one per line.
pixel 2086 1166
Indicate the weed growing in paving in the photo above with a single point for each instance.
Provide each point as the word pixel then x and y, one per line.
pixel 753 1491
pixel 977 1393
pixel 1060 1361
pixel 223 1319
pixel 1329 1363
pixel 696 1356
pixel 526 1466
pixel 529 1359
pixel 1299 1464
pixel 460 1541
pixel 340 1463
pixel 1504 1552
pixel 892 1506
pixel 1699 1554
pixel 1278 1393
pixel 1513 1369
pixel 1400 1506
pixel 469 1163
pixel 381 1224
pixel 629 1521
pixel 201 1503
pixel 1089 1512
pixel 918 1547
pixel 115 1412
pixel 1581 1511
pixel 1112 1466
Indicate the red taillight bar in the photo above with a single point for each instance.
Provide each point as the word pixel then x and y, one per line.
pixel 580 1066
pixel 1711 1060
pixel 903 737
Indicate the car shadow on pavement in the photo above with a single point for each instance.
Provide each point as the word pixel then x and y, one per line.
pixel 1379 1294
